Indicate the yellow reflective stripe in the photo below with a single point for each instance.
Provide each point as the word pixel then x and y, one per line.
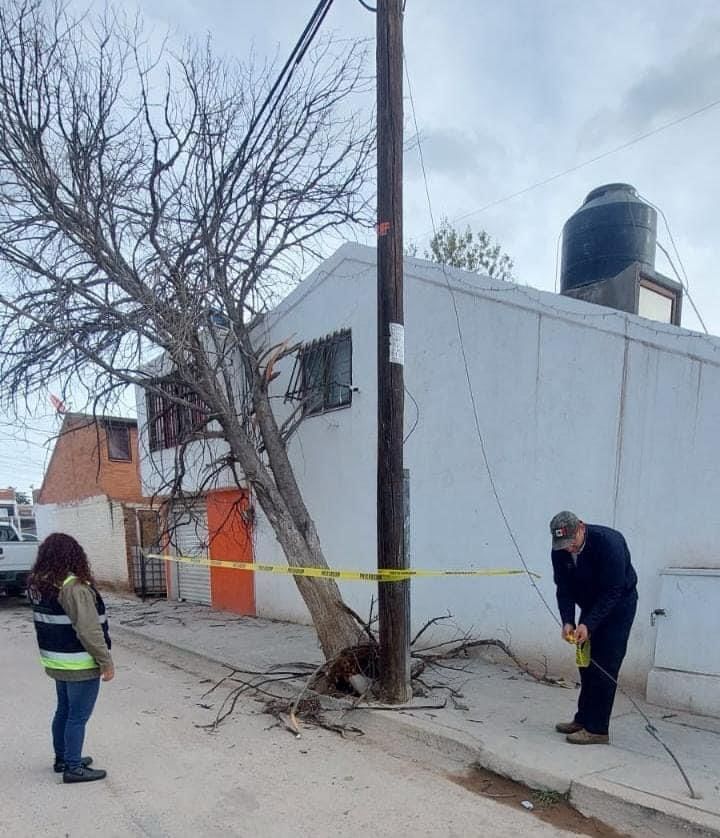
pixel 67 660
pixel 48 663
pixel 69 579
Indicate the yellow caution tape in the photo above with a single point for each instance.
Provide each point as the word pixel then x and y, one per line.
pixel 380 575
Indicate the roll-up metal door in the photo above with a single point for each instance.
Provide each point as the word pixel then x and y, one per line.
pixel 190 535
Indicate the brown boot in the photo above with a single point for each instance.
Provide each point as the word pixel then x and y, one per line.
pixel 584 737
pixel 568 727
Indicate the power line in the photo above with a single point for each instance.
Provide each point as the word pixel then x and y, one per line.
pixel 374 9
pixel 417 416
pixel 649 727
pixel 281 83
pixel 285 76
pixel 466 365
pixel 685 287
pixel 686 283
pixel 585 163
pixel 670 235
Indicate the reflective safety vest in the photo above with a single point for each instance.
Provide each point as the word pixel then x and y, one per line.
pixel 60 648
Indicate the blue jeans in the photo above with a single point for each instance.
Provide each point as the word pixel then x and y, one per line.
pixel 75 702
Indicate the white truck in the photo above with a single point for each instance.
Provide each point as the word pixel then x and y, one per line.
pixel 17 555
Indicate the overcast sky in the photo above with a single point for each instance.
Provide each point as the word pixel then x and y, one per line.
pixel 507 94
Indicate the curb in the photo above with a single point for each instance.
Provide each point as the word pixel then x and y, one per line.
pixel 642 813
pixel 447 749
pixel 636 811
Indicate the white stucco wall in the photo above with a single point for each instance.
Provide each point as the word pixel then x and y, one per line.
pixel 581 407
pixel 158 469
pixel 98 524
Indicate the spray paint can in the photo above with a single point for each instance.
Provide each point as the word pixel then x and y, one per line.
pixel 582 654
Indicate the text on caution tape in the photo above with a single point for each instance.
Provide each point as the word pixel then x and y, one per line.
pixel 380 575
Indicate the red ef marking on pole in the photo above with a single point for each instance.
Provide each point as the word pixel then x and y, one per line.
pixel 383 228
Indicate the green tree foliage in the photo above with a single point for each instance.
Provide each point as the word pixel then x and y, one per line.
pixel 476 252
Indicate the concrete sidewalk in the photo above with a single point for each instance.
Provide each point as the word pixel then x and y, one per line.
pixel 502 719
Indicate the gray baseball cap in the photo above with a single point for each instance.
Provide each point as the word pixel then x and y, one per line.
pixel 563 528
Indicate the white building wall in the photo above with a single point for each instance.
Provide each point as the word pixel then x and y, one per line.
pixel 581 407
pixel 199 468
pixel 98 524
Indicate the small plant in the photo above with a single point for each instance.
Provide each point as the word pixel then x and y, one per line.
pixel 545 798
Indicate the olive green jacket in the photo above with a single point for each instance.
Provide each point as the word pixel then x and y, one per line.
pixel 78 602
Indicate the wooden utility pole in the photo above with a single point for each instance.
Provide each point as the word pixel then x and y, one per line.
pixel 393 597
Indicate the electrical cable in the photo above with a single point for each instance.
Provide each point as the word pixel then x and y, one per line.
pixel 686 283
pixel 649 727
pixel 670 235
pixel 685 287
pixel 683 284
pixel 374 8
pixel 665 126
pixel 417 415
pixel 296 56
pixel 463 352
pixel 281 83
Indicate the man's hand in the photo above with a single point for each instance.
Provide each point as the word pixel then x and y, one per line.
pixel 108 674
pixel 568 632
pixel 581 633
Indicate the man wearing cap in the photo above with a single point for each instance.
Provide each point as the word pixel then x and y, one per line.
pixel 592 570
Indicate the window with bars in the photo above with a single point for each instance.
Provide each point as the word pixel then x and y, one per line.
pixel 322 376
pixel 175 417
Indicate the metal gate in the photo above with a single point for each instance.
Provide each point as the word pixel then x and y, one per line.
pixel 142 532
pixel 148 575
pixel 190 537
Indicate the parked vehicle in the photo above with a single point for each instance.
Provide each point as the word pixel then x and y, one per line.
pixel 17 556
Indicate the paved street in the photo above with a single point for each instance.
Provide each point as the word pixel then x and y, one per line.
pixel 166 777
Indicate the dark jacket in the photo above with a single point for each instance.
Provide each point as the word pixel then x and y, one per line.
pixel 70 624
pixel 603 580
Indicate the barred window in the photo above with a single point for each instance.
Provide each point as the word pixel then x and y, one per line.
pixel 322 377
pixel 170 422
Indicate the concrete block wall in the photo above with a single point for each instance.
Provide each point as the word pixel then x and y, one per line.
pixel 99 525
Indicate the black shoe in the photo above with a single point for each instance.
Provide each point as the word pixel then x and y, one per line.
pixel 83 775
pixel 59 766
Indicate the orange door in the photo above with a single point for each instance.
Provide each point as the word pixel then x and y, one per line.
pixel 231 540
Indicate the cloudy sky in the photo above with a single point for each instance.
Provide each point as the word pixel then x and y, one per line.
pixel 509 93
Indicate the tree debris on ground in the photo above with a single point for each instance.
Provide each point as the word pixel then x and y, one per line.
pixel 352 676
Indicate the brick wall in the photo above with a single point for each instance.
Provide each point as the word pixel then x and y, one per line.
pixel 81 468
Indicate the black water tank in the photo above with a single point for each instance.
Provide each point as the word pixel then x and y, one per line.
pixel 611 230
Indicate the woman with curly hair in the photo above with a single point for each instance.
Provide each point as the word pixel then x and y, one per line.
pixel 72 633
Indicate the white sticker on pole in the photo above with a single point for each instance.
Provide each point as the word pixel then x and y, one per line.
pixel 397 344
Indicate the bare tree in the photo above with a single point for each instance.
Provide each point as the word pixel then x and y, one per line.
pixel 155 204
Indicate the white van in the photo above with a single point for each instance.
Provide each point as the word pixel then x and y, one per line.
pixel 17 556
